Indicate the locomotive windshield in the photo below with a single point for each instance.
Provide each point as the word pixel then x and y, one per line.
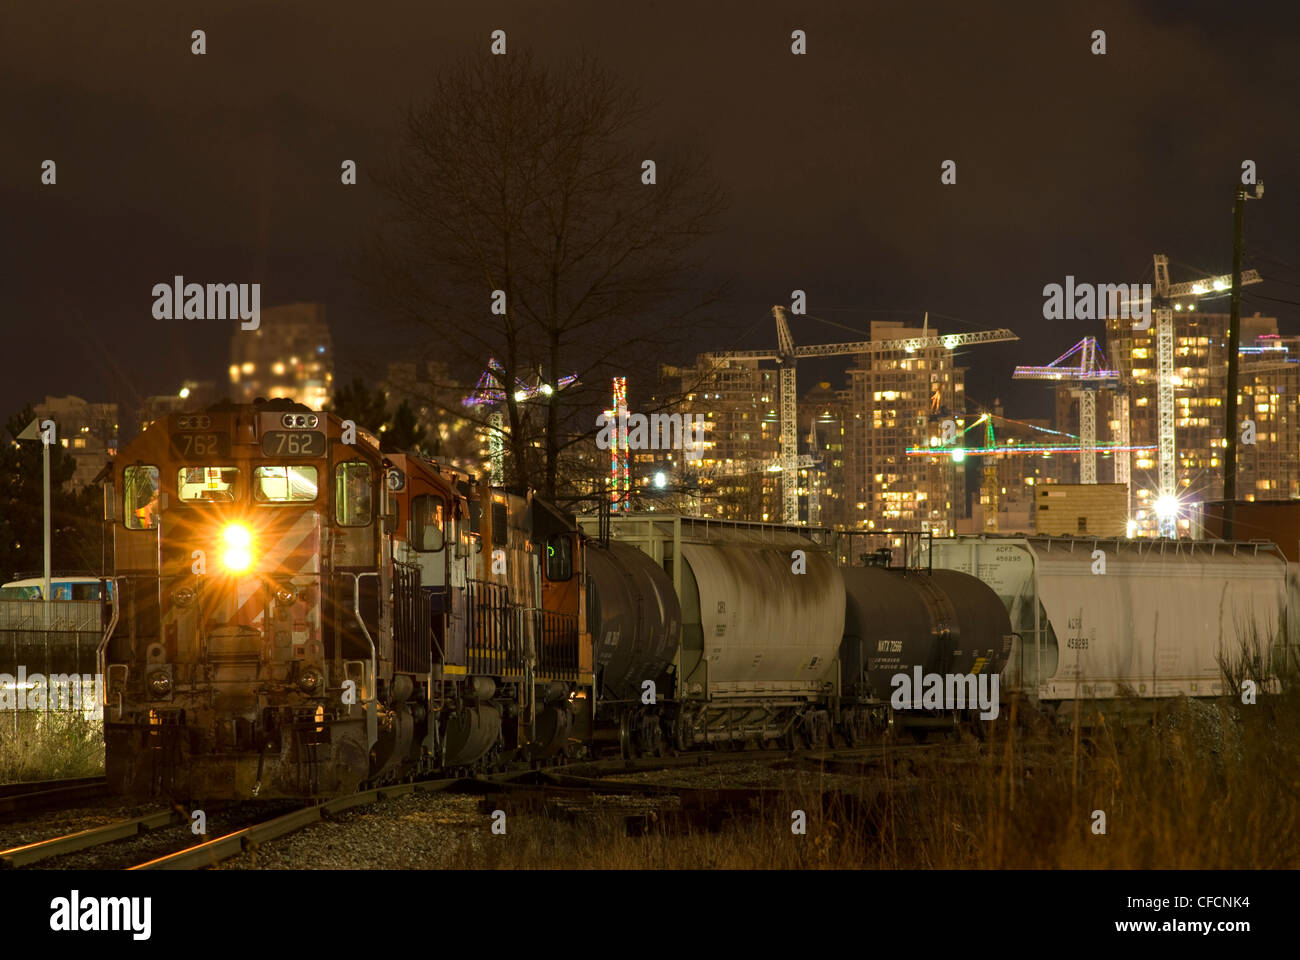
pixel 287 484
pixel 352 494
pixel 207 484
pixel 426 523
pixel 140 497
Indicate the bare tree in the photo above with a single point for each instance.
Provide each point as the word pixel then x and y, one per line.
pixel 530 180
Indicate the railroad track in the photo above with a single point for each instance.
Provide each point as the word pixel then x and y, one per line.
pixel 551 791
pixel 18 800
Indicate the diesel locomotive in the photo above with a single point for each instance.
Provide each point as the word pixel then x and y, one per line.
pixel 296 613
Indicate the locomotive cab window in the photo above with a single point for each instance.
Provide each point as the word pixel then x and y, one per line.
pixel 207 484
pixel 288 484
pixel 140 497
pixel 427 513
pixel 559 557
pixel 500 517
pixel 352 494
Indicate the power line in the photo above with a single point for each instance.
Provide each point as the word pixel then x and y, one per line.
pixel 1260 296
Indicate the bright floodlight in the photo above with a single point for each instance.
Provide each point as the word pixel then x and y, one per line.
pixel 1167 506
pixel 185 392
pixel 239 553
pixel 660 480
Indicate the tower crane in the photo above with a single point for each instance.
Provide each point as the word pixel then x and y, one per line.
pixel 1090 375
pixel 488 392
pixel 786 354
pixel 990 482
pixel 1167 298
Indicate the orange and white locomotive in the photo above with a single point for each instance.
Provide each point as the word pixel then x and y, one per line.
pixel 297 614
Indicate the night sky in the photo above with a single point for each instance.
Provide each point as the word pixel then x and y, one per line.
pixel 225 167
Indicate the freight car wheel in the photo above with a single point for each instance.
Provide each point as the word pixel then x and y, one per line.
pixel 625 747
pixel 679 732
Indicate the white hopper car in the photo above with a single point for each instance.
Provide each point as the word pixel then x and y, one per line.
pixel 1099 619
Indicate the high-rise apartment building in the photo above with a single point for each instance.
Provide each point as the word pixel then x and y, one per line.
pixel 1268 468
pixel 823 413
pixel 435 399
pixel 733 475
pixel 290 355
pixel 895 400
pixel 88 431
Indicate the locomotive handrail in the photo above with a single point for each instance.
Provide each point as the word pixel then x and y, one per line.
pixel 356 612
pixel 102 649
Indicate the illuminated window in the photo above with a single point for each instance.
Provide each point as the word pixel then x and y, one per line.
pixel 140 497
pixel 290 484
pixel 207 484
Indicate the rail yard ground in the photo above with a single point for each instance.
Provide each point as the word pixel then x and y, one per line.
pixel 1206 784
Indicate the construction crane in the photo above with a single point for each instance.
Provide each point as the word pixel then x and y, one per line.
pixel 990 491
pixel 1091 376
pixel 786 354
pixel 1166 299
pixel 488 392
pixel 814 506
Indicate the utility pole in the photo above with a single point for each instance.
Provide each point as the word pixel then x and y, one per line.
pixel 44 431
pixel 1231 432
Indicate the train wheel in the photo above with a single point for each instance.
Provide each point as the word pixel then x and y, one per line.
pixel 625 747
pixel 679 741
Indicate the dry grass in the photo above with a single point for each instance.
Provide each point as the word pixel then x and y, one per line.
pixel 40 746
pixel 1206 785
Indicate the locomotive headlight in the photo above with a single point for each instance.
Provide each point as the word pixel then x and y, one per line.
pixel 238 556
pixel 310 681
pixel 160 684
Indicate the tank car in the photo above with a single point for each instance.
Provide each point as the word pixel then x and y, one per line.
pixel 779 642
pixel 901 621
pixel 761 617
pixel 635 621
